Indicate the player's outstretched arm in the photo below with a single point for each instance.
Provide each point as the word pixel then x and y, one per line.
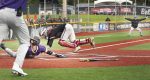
pixel 128 19
pixel 55 54
pixel 142 19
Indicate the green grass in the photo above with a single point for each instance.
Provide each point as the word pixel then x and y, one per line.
pixel 145 46
pixel 108 73
pixel 101 73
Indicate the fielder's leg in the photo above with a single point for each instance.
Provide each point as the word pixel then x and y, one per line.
pixel 139 31
pixel 67 44
pixel 4 31
pixel 78 42
pixel 68 34
pixel 85 41
pixel 131 30
pixel 22 33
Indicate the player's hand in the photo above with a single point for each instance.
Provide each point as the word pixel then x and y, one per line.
pixel 60 56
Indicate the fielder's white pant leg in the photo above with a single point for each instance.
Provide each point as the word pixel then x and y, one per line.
pixel 21 52
pixel 68 33
pixel 24 38
pixel 4 31
pixel 21 31
pixel 11 52
pixel 131 30
pixel 3 26
pixel 72 36
pixel 8 16
pixel 139 30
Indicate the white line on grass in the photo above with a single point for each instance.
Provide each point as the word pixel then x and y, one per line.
pixel 114 45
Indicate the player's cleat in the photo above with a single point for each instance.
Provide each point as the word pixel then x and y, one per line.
pixel 92 43
pixel 77 49
pixel 2 45
pixel 17 73
pixel 141 35
pixel 60 56
pixel 16 70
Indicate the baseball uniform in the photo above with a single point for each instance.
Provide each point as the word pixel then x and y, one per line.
pixel 67 37
pixel 134 25
pixel 11 17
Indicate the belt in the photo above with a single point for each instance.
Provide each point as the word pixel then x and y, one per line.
pixel 19 10
pixel 9 9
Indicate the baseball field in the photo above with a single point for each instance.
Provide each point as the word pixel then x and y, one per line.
pixel 132 54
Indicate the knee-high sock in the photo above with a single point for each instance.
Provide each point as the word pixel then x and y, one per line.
pixel 82 41
pixel 67 44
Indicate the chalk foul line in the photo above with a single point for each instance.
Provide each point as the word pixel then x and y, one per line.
pixel 114 45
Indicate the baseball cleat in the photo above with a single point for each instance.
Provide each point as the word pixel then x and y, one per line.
pixel 16 70
pixel 92 43
pixel 60 56
pixel 77 49
pixel 17 73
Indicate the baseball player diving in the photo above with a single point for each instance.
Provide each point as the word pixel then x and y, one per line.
pixel 11 18
pixel 67 37
pixel 134 24
pixel 34 49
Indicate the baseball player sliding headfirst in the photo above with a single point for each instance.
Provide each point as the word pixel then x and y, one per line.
pixel 67 37
pixel 35 49
pixel 11 17
pixel 134 24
